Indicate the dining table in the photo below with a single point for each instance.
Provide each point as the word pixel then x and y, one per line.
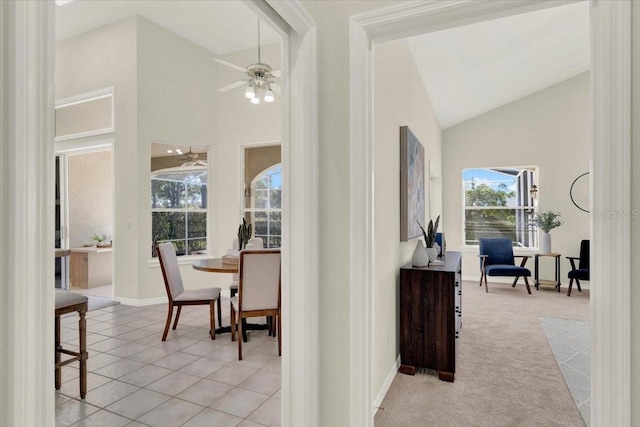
pixel 218 265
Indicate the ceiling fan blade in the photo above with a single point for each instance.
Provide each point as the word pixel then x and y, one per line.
pixel 229 64
pixel 276 88
pixel 227 88
pixel 276 73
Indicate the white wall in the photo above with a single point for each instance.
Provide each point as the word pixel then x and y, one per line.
pixel 400 99
pixel 90 197
pixel 95 60
pixel 178 103
pixel 241 123
pixel 549 129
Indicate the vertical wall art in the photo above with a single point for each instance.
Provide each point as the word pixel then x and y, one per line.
pixel 412 192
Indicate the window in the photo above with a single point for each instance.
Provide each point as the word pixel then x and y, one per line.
pixel 179 200
pixel 265 206
pixel 498 203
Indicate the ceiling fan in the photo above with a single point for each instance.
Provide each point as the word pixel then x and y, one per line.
pixel 260 78
pixel 191 159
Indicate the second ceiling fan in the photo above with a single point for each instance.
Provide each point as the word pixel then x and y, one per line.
pixel 260 81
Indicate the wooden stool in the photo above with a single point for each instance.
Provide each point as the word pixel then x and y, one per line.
pixel 68 302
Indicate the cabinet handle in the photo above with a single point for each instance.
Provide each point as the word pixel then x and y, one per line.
pixel 457 335
pixel 456 284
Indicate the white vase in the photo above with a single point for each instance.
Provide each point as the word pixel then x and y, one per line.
pixel 433 254
pixel 545 243
pixel 420 257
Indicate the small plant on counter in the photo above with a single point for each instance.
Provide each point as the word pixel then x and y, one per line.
pixel 244 234
pixel 100 239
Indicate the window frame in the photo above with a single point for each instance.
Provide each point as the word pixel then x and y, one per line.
pixel 533 206
pixel 252 210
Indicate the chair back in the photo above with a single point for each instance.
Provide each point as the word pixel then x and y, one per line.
pixel 498 250
pixel 584 255
pixel 259 285
pixel 170 270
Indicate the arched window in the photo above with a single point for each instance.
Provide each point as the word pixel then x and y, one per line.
pixel 265 206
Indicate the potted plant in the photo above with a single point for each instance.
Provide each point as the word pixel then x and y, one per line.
pixel 245 230
pixel 547 221
pixel 101 240
pixel 429 240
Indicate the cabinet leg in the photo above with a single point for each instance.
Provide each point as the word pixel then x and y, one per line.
pixel 445 376
pixel 407 369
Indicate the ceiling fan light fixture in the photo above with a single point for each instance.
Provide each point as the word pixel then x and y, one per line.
pixel 250 92
pixel 255 100
pixel 268 96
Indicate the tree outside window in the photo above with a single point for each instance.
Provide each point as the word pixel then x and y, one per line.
pixel 265 211
pixel 498 203
pixel 179 210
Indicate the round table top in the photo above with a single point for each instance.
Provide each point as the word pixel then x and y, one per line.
pixel 215 265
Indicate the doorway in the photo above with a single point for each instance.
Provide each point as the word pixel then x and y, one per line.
pixel 84 219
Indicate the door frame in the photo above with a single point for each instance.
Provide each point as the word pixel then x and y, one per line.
pixel 27 51
pixel 610 144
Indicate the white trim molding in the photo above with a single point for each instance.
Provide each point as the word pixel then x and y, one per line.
pixel 611 192
pixel 610 311
pixel 386 385
pixel 26 213
pixel 300 207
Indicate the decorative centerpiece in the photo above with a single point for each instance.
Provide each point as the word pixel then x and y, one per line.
pixel 547 221
pixel 102 240
pixel 423 256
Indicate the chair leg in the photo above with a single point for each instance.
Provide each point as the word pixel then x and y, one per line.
pixel 481 277
pixel 83 353
pixel 242 329
pixel 526 282
pixel 279 320
pixel 578 284
pixel 168 323
pixel 570 286
pixel 513 285
pixel 58 377
pixel 212 320
pixel 175 323
pixel 220 311
pixel 486 287
pixel 233 324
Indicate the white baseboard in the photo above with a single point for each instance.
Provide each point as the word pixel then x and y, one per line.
pixel 385 386
pixel 141 302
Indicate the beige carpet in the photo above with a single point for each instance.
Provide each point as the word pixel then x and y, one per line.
pixel 506 374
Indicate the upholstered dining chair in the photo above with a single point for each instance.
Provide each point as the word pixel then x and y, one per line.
pixel 497 259
pixel 582 272
pixel 258 291
pixel 178 296
pixel 255 243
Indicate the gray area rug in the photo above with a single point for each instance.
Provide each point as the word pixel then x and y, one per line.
pixel 570 342
pixel 96 303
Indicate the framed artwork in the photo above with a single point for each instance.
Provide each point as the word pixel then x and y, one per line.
pixel 412 192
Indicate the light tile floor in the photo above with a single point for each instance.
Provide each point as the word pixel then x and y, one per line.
pixel 135 379
pixel 570 342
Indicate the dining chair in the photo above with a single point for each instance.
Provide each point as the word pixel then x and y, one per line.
pixel 582 272
pixel 256 243
pixel 258 291
pixel 178 296
pixel 497 259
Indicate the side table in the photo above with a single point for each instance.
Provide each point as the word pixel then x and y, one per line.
pixel 556 283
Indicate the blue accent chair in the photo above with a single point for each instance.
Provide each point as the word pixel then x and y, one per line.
pixel 497 259
pixel 582 272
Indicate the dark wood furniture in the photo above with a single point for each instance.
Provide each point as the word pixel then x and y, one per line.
pixel 68 302
pixel 556 283
pixel 431 316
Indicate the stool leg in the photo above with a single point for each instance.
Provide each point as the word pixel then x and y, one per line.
pixel 83 352
pixel 58 379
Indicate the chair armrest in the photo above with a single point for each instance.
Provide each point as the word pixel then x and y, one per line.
pixel 572 260
pixel 524 259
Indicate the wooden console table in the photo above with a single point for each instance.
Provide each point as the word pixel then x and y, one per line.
pixel 431 316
